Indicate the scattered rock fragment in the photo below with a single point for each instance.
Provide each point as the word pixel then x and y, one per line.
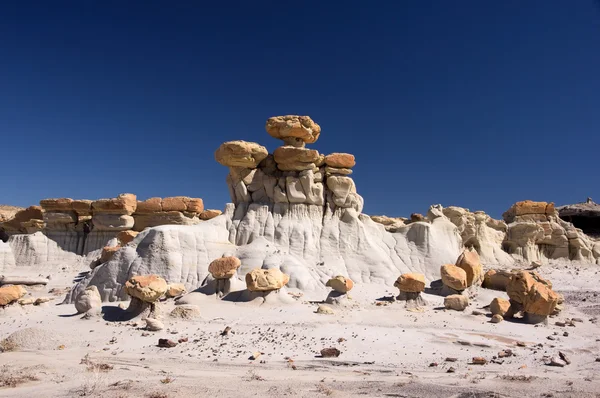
pixel 457 302
pixel 166 343
pixel 564 357
pixel 496 318
pixel 555 361
pixel 324 309
pixel 154 325
pixel 479 361
pixel 499 306
pixel 330 352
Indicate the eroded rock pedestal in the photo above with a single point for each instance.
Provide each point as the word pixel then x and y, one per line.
pixel 294 182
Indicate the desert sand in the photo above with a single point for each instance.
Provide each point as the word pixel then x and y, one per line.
pixel 386 349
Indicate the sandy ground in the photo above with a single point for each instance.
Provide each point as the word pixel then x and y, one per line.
pixel 387 350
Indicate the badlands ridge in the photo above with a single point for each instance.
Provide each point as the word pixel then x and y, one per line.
pixel 294 229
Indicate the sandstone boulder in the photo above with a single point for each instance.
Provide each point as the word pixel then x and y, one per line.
pixel 324 309
pixel 541 300
pixel 496 279
pixel 417 217
pixel 224 267
pixel 112 222
pixel 107 253
pixel 175 203
pixel 82 207
pixel 337 171
pixel 340 160
pixel 60 204
pixel 470 263
pixel 209 214
pixel 519 286
pixel 340 284
pixel 154 325
pixel 411 283
pixel 17 217
pixel 499 306
pixel 188 311
pixel 125 203
pixel 454 277
pixel 391 224
pixel 54 218
pixel 151 205
pixel 143 221
pixel 294 130
pixel 183 203
pixel 124 237
pixel 195 205
pixel 457 302
pixel 528 207
pixel 175 289
pixel 263 280
pixel 147 288
pixel 497 318
pixel 88 299
pixel 11 294
pixel 289 158
pixel 241 154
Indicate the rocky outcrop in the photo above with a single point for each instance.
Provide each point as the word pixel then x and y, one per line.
pixel 480 232
pixel 307 223
pixel 176 210
pixel 585 216
pixel 535 233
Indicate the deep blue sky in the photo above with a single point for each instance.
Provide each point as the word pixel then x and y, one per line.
pixel 470 103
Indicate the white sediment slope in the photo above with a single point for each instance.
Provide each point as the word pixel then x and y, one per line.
pixel 353 246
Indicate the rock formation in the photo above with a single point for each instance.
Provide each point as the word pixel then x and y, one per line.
pixel 585 216
pixel 88 299
pixel 532 295
pixel 295 210
pixel 145 290
pixel 411 285
pixel 535 232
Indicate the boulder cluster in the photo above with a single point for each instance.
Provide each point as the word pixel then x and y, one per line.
pixel 466 272
pixel 528 293
pixel 293 174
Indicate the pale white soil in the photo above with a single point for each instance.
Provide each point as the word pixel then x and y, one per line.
pixel 386 349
